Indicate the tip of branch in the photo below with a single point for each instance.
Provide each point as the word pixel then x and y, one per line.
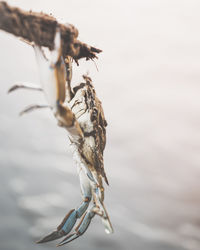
pixel 40 28
pixel 95 50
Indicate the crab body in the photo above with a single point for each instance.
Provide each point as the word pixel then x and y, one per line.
pixel 88 112
pixel 80 112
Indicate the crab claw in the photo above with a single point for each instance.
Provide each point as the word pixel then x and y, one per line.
pixel 68 222
pixel 80 229
pixel 52 236
pixel 68 239
pixel 63 229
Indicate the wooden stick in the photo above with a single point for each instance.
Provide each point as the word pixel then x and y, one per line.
pixel 40 28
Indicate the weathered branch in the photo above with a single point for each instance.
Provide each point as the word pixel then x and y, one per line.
pixel 40 28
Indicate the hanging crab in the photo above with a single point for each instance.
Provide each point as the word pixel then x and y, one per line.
pixel 79 111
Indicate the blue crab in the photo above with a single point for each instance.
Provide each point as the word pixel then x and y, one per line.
pixel 80 112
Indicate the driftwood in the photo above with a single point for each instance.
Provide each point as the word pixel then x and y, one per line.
pixel 40 28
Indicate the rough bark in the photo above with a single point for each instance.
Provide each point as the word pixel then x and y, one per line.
pixel 40 28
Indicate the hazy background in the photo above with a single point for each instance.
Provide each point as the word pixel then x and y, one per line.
pixel 149 84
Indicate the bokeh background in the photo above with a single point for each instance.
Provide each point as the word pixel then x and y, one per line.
pixel 149 84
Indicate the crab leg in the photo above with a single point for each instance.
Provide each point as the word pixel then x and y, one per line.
pixel 53 77
pixel 24 86
pixel 100 209
pixel 106 220
pixel 68 67
pixel 33 107
pixel 70 219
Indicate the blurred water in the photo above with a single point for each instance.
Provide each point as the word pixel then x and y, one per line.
pixel 148 81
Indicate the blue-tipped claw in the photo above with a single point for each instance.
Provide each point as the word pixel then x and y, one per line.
pixel 80 229
pixel 63 229
pixel 68 223
pixel 68 239
pixel 52 236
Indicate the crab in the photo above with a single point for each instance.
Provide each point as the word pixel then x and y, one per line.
pixel 80 112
